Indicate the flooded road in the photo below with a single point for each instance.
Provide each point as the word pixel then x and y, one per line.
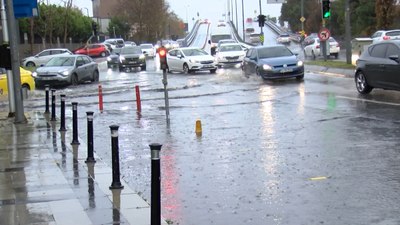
pixel 283 152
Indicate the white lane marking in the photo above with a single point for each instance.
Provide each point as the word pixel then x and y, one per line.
pixel 366 100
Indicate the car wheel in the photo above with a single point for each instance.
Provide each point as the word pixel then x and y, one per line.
pixel 313 55
pixel 143 68
pixel 336 55
pixel 30 64
pixel 361 83
pixel 186 69
pixel 74 79
pixel 121 69
pixel 103 54
pixel 305 54
pixel 95 77
pixel 213 71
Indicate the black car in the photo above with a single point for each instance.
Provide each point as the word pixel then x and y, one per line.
pixel 378 67
pixel 113 58
pixel 131 57
pixel 273 62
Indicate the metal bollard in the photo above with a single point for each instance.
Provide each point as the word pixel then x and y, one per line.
pixel 100 98
pixel 90 157
pixel 155 184
pixel 62 124
pixel 47 88
pixel 138 101
pixel 116 182
pixel 53 105
pixel 75 124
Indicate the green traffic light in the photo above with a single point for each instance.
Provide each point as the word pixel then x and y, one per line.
pixel 327 14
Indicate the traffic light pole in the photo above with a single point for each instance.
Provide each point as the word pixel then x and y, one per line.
pixel 165 82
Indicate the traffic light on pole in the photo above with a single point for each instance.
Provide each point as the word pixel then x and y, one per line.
pixel 326 9
pixel 162 53
pixel 261 20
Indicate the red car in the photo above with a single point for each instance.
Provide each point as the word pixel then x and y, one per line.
pixel 93 50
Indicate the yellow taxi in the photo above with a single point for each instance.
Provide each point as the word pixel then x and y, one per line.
pixel 27 81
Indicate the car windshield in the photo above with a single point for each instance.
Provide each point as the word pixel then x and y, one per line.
pixel 61 61
pixel 284 35
pixel 272 52
pixel 131 51
pixel 193 52
pixel 229 48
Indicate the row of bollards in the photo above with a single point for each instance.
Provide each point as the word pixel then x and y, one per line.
pixel 155 148
pixel 138 101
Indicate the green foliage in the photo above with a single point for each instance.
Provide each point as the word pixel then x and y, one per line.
pixel 120 27
pixel 366 16
pixel 50 23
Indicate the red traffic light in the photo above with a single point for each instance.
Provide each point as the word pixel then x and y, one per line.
pixel 162 52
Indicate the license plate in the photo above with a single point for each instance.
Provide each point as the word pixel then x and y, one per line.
pixel 208 66
pixel 132 62
pixel 46 78
pixel 286 70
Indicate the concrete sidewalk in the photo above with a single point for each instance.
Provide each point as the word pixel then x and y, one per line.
pixel 45 180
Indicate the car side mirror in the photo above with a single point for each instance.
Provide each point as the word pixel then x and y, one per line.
pixel 79 64
pixel 180 56
pixel 209 42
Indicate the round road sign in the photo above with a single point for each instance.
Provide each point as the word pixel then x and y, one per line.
pixel 324 34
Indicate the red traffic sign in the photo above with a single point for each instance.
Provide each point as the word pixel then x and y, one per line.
pixel 324 34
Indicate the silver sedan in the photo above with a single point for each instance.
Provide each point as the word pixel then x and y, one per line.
pixel 67 69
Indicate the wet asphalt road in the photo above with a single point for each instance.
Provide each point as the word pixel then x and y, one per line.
pixel 284 152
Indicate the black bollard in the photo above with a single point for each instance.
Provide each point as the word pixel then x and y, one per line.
pixel 62 124
pixel 53 105
pixel 47 88
pixel 116 182
pixel 90 157
pixel 155 184
pixel 75 124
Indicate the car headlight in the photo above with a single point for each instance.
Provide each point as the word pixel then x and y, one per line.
pixel 34 74
pixel 300 63
pixel 193 61
pixel 121 58
pixel 65 73
pixel 267 67
pixel 108 58
pixel 142 56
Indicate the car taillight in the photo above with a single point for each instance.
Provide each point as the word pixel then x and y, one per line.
pixel 386 38
pixel 317 46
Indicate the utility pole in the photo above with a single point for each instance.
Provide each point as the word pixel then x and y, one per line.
pixel 14 49
pixel 236 15
pixel 243 19
pixel 10 86
pixel 302 14
pixel 261 33
pixel 347 31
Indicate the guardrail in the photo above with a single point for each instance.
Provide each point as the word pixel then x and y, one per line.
pixel 237 37
pixel 190 37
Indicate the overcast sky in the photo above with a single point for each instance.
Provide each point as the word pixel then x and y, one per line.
pixel 207 9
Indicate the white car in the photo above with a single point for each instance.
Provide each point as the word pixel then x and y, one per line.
pixel 313 48
pixel 383 35
pixel 44 56
pixel 229 54
pixel 190 59
pixel 148 50
pixel 283 39
pixel 255 38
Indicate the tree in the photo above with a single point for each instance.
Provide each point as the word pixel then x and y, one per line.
pixel 385 12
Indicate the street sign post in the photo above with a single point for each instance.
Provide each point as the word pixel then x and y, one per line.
pixel 324 34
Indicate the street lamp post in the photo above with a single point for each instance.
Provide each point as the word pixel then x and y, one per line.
pixel 114 32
